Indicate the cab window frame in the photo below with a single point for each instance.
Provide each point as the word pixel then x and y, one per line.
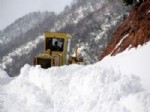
pixel 51 41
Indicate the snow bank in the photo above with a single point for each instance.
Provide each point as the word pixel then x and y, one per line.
pixel 75 88
pixel 116 84
pixel 134 61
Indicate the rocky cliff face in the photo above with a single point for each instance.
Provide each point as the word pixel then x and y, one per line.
pixel 134 31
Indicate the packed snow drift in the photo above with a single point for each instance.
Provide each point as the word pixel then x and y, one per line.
pixel 116 84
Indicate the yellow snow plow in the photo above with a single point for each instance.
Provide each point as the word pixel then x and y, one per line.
pixel 56 51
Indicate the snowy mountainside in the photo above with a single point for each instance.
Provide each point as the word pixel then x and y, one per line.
pixel 90 22
pixel 97 36
pixel 99 87
pixel 95 27
pixel 83 8
pixel 79 10
pixel 22 25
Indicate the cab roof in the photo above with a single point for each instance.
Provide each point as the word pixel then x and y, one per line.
pixel 57 34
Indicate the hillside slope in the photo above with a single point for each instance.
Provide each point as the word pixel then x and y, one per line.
pixel 134 31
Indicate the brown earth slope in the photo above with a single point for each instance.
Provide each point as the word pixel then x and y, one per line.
pixel 134 31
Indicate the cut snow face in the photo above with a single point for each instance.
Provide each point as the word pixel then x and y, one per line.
pixel 134 61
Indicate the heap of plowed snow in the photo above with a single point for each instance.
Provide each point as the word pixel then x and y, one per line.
pixel 107 86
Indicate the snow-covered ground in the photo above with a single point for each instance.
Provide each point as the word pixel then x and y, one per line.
pixel 116 84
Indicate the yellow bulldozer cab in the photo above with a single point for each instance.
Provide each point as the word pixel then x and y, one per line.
pixel 56 51
pixel 58 44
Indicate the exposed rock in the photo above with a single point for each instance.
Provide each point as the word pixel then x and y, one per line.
pixel 134 31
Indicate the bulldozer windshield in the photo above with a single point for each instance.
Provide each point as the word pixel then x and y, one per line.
pixel 55 44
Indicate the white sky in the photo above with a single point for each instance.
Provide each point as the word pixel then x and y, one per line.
pixel 10 10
